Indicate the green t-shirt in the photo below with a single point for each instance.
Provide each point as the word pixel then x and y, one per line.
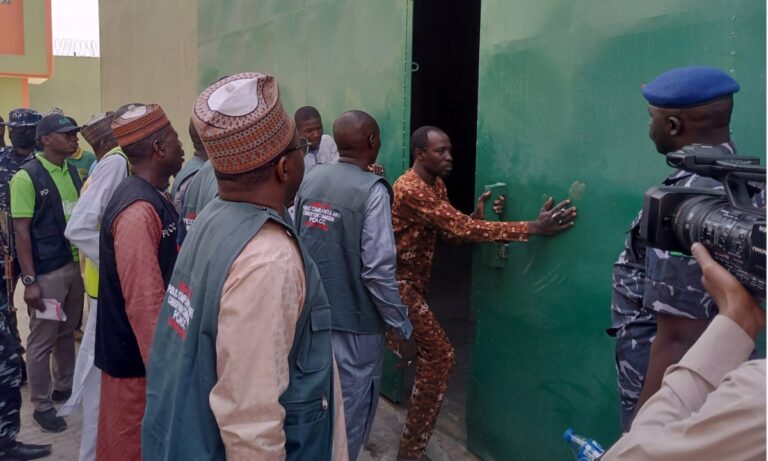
pixel 23 193
pixel 82 160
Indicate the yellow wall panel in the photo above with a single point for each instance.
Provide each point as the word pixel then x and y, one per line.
pixel 10 96
pixel 75 88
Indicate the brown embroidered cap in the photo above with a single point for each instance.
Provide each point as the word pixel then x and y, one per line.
pixel 242 123
pixel 97 128
pixel 138 122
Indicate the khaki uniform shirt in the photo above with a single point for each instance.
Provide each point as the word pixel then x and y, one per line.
pixel 711 405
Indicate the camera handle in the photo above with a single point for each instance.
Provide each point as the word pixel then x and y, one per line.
pixel 736 189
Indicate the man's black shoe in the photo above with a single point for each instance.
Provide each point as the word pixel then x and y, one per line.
pixel 21 451
pixel 61 396
pixel 48 421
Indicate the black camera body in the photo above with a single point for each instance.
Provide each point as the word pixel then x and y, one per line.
pixel 729 223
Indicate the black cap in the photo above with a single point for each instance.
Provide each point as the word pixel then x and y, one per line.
pixel 55 123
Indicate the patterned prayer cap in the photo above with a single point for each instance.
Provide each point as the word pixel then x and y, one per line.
pixel 242 123
pixel 97 128
pixel 137 123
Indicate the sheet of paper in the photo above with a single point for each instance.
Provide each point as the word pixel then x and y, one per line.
pixel 53 311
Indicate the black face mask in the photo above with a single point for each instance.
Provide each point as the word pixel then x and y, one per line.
pixel 22 138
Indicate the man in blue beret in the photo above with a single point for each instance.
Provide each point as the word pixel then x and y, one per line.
pixel 659 307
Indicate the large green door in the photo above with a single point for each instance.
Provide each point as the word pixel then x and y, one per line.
pixel 560 112
pixel 335 55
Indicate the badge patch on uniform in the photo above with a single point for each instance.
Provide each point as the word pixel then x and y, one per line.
pixel 319 215
pixel 180 300
pixel 189 219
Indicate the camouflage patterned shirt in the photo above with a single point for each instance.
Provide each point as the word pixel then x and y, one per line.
pixel 647 281
pixel 10 162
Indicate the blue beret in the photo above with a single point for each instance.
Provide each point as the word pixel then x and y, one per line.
pixel 689 86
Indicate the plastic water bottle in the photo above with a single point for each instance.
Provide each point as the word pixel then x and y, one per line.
pixel 583 449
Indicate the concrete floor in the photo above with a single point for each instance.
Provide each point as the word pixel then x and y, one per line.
pixel 66 444
pixel 449 298
pixel 385 437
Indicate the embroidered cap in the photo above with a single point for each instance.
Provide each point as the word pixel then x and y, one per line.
pixel 689 87
pixel 242 123
pixel 98 128
pixel 138 122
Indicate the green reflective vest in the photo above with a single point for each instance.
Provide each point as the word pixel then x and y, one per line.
pixel 178 423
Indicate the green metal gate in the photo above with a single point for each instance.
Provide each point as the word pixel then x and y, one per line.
pixel 560 112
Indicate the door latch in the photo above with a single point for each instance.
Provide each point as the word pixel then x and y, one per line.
pixel 495 254
pixel 503 251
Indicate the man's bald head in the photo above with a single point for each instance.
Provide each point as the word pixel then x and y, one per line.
pixel 357 136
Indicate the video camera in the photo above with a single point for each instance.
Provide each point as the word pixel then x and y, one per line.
pixel 729 223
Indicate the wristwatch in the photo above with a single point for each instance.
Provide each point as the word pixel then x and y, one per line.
pixel 28 279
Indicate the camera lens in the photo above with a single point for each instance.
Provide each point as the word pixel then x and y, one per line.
pixel 692 223
pixel 735 238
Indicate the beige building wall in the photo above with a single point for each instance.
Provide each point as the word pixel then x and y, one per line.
pixel 149 55
pixel 74 87
pixel 10 97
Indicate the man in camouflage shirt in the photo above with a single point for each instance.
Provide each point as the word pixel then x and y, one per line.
pixel 21 124
pixel 659 307
pixel 21 130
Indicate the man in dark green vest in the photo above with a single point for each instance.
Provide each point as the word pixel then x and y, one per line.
pixel 344 219
pixel 241 365
pixel 189 170
pixel 202 188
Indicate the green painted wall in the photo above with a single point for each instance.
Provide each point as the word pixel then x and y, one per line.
pixel 560 110
pixel 75 88
pixel 335 55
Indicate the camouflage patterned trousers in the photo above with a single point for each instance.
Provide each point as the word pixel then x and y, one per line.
pixel 10 379
pixel 633 349
pixel 434 362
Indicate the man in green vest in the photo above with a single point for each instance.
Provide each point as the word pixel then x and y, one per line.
pixel 344 218
pixel 241 365
pixel 182 180
pixel 43 194
pixel 202 188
